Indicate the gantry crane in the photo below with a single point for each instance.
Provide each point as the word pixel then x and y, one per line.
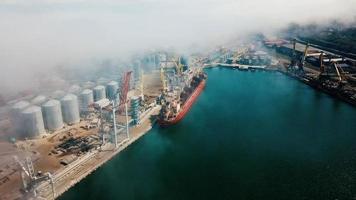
pixel 297 63
pixel 27 169
pixel 340 73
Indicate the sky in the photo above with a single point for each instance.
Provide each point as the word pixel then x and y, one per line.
pixel 36 36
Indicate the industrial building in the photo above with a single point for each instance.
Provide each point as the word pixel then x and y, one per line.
pixel 135 110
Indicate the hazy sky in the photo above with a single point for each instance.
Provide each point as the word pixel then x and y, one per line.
pixel 37 35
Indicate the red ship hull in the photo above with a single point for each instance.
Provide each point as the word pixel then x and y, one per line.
pixel 186 107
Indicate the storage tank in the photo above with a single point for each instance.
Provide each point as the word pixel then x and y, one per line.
pixel 70 109
pixel 15 113
pixel 58 94
pixel 52 115
pixel 88 85
pixel 99 93
pixel 111 89
pixel 32 122
pixel 74 89
pixel 102 81
pixel 38 100
pixel 17 108
pixel 86 98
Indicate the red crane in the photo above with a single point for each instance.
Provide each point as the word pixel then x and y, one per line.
pixel 124 89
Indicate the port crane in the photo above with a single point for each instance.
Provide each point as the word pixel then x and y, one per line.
pixel 30 183
pixel 124 89
pixel 297 63
pixel 339 72
pixel 178 64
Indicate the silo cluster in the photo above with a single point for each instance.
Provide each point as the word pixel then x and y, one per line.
pixel 51 112
pixel 86 98
pixel 99 93
pixel 111 89
pixel 52 115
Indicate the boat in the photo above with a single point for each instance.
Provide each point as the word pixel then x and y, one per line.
pixel 176 104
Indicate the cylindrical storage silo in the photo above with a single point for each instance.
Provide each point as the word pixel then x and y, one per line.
pixel 32 122
pixel 38 100
pixel 99 93
pixel 86 98
pixel 74 89
pixel 16 110
pixel 102 81
pixel 88 85
pixel 111 89
pixel 58 94
pixel 52 115
pixel 70 109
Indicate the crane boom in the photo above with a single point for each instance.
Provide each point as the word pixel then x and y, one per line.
pixel 124 89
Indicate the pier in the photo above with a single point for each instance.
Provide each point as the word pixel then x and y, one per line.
pixel 64 179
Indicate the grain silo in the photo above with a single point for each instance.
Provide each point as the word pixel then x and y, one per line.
pixel 38 100
pixel 32 122
pixel 111 89
pixel 99 93
pixel 74 89
pixel 102 81
pixel 52 115
pixel 16 110
pixel 88 85
pixel 86 98
pixel 58 94
pixel 70 109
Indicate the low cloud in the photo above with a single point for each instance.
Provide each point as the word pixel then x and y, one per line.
pixel 39 35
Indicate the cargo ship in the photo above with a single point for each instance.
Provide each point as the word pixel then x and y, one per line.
pixel 177 102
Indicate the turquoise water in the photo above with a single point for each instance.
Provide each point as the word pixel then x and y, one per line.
pixel 250 135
